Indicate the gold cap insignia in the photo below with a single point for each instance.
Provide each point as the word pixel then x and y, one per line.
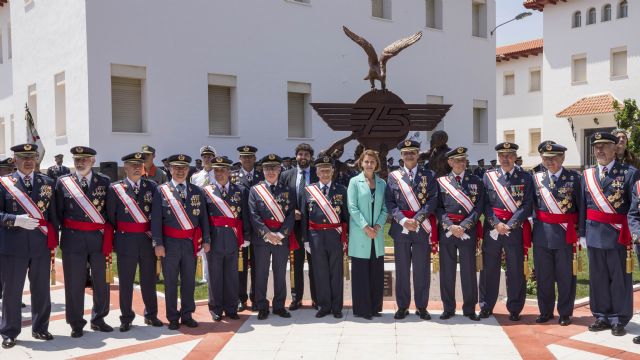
pixel 272 157
pixel 326 159
pixel 10 160
pixel 219 159
pixel 246 148
pixel 145 148
pixel 506 145
pixel 549 147
pixel 460 150
pixel 27 147
pixel 598 136
pixel 181 157
pixel 79 149
pixel 138 155
pixel 407 143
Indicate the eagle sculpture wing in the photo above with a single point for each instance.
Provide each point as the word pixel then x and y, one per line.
pixel 397 46
pixel 368 48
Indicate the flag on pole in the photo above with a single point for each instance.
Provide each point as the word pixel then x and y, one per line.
pixel 32 134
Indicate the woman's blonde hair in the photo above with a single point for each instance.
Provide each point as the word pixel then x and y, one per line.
pixel 373 154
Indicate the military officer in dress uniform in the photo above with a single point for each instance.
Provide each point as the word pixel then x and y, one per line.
pixel 633 218
pixel 201 179
pixel 226 208
pixel 87 236
pixel 129 210
pixel 557 202
pixel 324 227
pixel 57 170
pixel 271 207
pixel 480 170
pixel 412 198
pixel 603 224
pixel 179 228
pixel 28 219
pixel 461 197
pixel 508 204
pixel 6 168
pixel 150 170
pixel 247 176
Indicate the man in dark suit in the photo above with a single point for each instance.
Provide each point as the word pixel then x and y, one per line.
pixel 461 197
pixel 606 195
pixel 557 202
pixel 297 179
pixel 508 205
pixel 129 209
pixel 179 228
pixel 271 207
pixel 28 218
pixel 87 236
pixel 412 198
pixel 57 170
pixel 247 176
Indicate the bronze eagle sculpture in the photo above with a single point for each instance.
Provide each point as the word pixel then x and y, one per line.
pixel 378 66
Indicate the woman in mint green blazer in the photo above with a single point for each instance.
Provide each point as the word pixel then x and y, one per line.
pixel 368 214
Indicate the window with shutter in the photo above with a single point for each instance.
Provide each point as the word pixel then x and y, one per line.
pixel 434 14
pixel 579 69
pixel 535 138
pixel 296 115
pixel 619 63
pixel 480 122
pixel 535 81
pixel 509 84
pixel 219 110
pixel 126 104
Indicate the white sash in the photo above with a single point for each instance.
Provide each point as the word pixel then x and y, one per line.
pixel 131 205
pixel 548 198
pixel 325 206
pixel 593 186
pixel 25 201
pixel 410 197
pixel 271 203
pixel 503 193
pixel 176 206
pixel 459 196
pixel 82 200
pixel 219 202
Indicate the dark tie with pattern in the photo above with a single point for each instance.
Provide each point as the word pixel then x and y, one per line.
pixel 325 190
pixel 223 191
pixel 604 173
pixel 273 189
pixel 27 183
pixel 459 179
pixel 182 192
pixel 301 183
pixel 507 176
pixel 411 177
pixel 136 189
pixel 84 184
pixel 554 178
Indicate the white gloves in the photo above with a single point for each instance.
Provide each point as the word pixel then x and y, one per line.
pixel 26 222
pixel 307 247
pixel 583 242
pixel 246 243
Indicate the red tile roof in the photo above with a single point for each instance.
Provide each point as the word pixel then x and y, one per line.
pixel 590 105
pixel 523 49
pixel 539 4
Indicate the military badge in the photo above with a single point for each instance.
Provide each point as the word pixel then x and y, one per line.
pixel 148 197
pixel 96 202
pixel 195 212
pixel 46 191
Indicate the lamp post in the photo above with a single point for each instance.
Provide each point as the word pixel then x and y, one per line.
pixel 518 17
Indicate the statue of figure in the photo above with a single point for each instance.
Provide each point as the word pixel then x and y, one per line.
pixel 437 153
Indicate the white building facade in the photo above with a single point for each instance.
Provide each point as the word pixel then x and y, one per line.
pixel 117 74
pixel 591 57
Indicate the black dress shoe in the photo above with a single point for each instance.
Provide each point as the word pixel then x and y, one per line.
pixel 242 306
pixel 376 314
pixel 23 305
pixel 154 321
pixel 514 316
pixel 472 316
pixel 338 315
pixel 254 307
pixel 322 313
pixel 263 314
pixel 367 317
pixel 102 327
pixel 8 343
pixel 447 315
pixel 295 305
pixel 618 330
pixel 636 340
pixel 76 333
pixel 217 317
pixel 401 314
pixel 233 316
pixel 174 325
pixel 124 327
pixel 423 313
pixel 190 322
pixel 282 313
pixel 564 320
pixel 485 313
pixel 543 318
pixel 42 335
pixel 599 325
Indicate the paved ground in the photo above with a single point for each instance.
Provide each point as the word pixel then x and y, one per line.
pixel 304 336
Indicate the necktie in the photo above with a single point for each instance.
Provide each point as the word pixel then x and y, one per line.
pixel 273 189
pixel 27 183
pixel 136 189
pixel 182 192
pixel 411 177
pixel 301 183
pixel 554 178
pixel 84 184
pixel 604 173
pixel 507 176
pixel 459 179
pixel 223 191
pixel 325 190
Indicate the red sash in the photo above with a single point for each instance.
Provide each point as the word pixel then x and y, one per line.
pixel 624 237
pixel 274 225
pixel 133 227
pixel 505 215
pixel 432 221
pixel 236 224
pixel 343 226
pixel 106 228
pixel 194 234
pixel 570 219
pixel 459 218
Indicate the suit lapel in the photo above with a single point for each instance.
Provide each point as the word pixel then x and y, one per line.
pixel 609 178
pixel 35 186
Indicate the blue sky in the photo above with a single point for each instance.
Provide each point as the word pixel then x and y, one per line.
pixel 528 28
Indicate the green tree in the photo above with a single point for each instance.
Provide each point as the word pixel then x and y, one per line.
pixel 628 118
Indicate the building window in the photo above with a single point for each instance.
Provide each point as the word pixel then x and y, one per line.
pixel 222 100
pixel 60 105
pixel 299 117
pixel 623 9
pixel 618 62
pixel 576 21
pixel 127 98
pixel 509 136
pixel 381 9
pixel 535 80
pixel 434 14
pixel 480 122
pixel 479 18
pixel 579 69
pixel 509 86
pixel 32 102
pixel 3 149
pixel 535 139
pixel 435 99
pixel 606 13
pixel 591 16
